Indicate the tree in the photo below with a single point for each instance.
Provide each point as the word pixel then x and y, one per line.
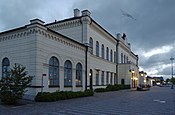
pixel 168 80
pixel 173 80
pixel 13 86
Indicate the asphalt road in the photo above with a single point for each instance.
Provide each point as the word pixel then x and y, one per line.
pixel 156 101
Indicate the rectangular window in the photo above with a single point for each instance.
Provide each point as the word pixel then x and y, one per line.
pixel 115 78
pixel 107 53
pixel 97 78
pixel 114 57
pixel 111 79
pixel 107 78
pixel 102 78
pixel 111 54
pixel 121 57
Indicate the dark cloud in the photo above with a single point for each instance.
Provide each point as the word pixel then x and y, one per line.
pixel 153 27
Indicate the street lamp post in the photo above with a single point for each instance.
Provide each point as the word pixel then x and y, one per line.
pixel 172 70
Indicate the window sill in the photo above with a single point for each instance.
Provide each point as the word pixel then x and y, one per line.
pixel 68 86
pixel 79 85
pixel 50 86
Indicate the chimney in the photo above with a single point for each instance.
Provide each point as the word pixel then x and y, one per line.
pixel 118 36
pixel 76 12
pixel 38 21
pixel 86 13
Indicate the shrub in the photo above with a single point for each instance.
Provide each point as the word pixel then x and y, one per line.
pixel 101 90
pixel 62 95
pixel 115 87
pixel 45 97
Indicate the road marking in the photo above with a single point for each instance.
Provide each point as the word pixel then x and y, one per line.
pixel 160 101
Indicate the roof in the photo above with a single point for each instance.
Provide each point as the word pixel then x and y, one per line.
pixel 15 29
pixel 65 20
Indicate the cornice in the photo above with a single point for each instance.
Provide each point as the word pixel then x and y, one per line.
pixel 42 32
pixel 65 24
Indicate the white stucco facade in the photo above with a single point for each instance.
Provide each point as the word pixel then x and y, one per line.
pixel 79 40
pixel 33 46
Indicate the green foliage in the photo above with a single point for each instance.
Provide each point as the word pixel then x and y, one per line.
pixel 168 80
pixel 101 90
pixel 112 88
pixel 173 80
pixel 12 87
pixel 62 95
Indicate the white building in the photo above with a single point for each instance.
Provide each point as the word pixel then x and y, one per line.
pixel 75 54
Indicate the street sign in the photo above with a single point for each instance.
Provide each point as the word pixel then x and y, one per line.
pixel 44 74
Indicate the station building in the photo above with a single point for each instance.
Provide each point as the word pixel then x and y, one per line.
pixel 73 54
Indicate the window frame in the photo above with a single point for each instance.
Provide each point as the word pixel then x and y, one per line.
pixel 67 73
pixel 107 53
pixel 102 51
pixel 54 71
pixel 5 66
pixel 79 74
pixel 97 48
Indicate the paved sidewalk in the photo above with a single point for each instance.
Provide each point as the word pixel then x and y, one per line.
pixel 156 101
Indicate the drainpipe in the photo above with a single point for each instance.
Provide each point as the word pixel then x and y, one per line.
pixel 117 60
pixel 86 67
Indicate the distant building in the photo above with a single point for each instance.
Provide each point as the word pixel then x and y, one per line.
pixel 142 78
pixel 150 81
pixel 73 54
pixel 158 80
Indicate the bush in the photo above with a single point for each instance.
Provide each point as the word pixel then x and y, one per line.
pixel 7 98
pixel 112 88
pixel 45 96
pixel 62 95
pixel 101 90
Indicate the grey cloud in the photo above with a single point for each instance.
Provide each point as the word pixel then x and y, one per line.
pixel 15 13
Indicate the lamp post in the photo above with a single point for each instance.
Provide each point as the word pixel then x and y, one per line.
pixel 172 70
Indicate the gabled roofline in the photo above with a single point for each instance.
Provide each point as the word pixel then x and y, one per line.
pixel 79 17
pixel 103 29
pixel 65 36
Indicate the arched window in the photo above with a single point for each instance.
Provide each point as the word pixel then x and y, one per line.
pixel 111 54
pixel 78 74
pixel 5 67
pixel 97 48
pixel 102 51
pixel 121 57
pixel 53 71
pixel 107 53
pixel 91 45
pixel 67 73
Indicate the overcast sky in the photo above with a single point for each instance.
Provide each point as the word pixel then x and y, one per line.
pixel 152 34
